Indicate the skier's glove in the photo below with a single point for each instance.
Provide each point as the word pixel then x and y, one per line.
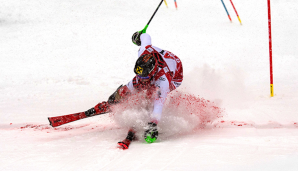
pixel 151 132
pixel 136 38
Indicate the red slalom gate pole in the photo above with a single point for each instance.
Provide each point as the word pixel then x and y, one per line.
pixel 236 12
pixel 270 50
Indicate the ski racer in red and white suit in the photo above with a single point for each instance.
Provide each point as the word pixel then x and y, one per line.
pixel 168 77
pixel 158 72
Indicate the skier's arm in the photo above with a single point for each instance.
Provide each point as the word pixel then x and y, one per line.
pixel 145 41
pixel 151 132
pixel 162 92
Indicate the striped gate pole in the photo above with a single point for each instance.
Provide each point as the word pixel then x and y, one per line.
pixel 270 50
pixel 236 12
pixel 166 3
pixel 226 10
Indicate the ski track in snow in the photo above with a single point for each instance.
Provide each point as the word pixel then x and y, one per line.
pixel 218 124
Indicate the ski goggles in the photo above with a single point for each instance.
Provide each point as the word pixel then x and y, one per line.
pixel 143 77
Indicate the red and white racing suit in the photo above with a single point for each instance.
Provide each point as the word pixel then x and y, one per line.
pixel 168 77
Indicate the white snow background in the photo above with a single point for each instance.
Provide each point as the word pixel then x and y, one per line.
pixel 60 57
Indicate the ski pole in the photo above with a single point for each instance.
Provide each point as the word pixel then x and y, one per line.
pixel 175 4
pixel 166 3
pixel 236 12
pixel 226 10
pixel 144 30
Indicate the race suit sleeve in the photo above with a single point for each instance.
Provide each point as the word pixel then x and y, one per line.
pixel 145 41
pixel 163 90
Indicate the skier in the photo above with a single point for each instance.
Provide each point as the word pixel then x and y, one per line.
pixel 159 72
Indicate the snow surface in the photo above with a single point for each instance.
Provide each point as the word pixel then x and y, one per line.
pixel 64 56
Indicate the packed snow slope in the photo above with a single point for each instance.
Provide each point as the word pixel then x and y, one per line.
pixel 64 56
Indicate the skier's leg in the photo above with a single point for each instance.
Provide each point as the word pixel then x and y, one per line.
pixel 118 95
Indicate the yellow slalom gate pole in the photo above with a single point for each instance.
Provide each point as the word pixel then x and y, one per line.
pixel 166 3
